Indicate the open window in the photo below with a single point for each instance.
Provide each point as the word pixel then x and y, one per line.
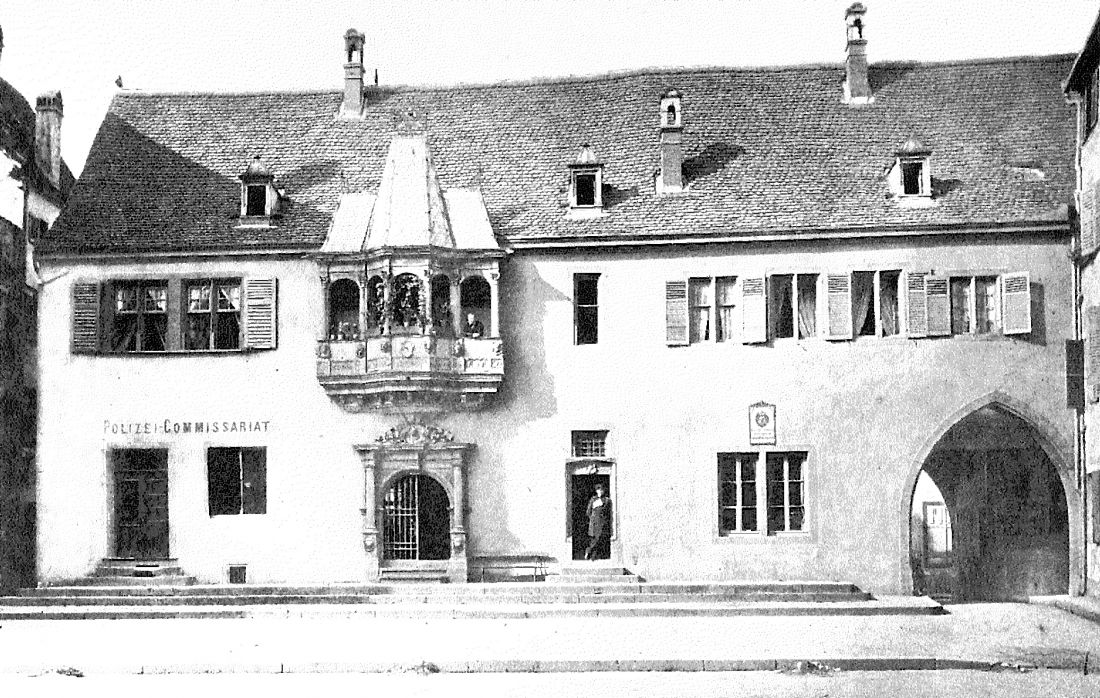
pixel 406 317
pixel 213 314
pixel 139 321
pixel 792 305
pixel 442 317
pixel 343 302
pixel 476 300
pixel 236 480
pixel 376 305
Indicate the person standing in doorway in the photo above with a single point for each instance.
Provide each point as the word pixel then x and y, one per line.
pixel 599 526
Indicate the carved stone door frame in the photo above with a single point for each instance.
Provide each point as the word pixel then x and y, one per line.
pixel 424 450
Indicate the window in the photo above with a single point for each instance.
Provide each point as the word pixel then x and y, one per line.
pixel 699 307
pixel 761 492
pixel 589 444
pixel 792 305
pixel 586 315
pixel 585 189
pixel 875 303
pixel 140 317
pixel 237 480
pixel 786 491
pixel 975 305
pixel 736 492
pixel 213 315
pixel 256 200
pixel 912 178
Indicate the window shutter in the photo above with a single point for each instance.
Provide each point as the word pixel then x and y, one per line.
pixel 937 292
pixel 754 310
pixel 1092 370
pixel 86 317
pixel 1087 219
pixel 916 304
pixel 839 291
pixel 260 322
pixel 1016 296
pixel 676 313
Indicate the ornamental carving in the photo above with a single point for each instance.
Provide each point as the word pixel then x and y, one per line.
pixel 415 435
pixel 458 348
pixel 323 351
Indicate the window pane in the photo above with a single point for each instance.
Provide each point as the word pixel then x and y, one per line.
pixel 727 520
pixel 198 298
pixel 589 444
pixel 154 332
pixel 586 189
pixel 124 332
pixel 223 480
pixel 156 299
pixel 229 298
pixel 726 295
pixel 126 299
pixel 863 303
pixel 748 519
pixel 198 331
pixel 779 306
pixel 985 306
pixel 227 334
pixel 776 519
pixel 807 305
pixel 587 286
pixel 888 302
pixel 254 480
pixel 699 309
pixel 257 201
pixel 748 494
pixel 796 517
pixel 960 305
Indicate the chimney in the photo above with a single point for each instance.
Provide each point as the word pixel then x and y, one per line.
pixel 671 176
pixel 47 135
pixel 353 74
pixel 857 89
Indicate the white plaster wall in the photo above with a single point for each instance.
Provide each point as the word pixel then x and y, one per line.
pixel 867 411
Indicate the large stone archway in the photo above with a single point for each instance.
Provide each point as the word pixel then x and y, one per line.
pixel 415 450
pixel 1008 486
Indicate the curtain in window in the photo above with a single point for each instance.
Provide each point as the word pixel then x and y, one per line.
pixel 699 302
pixel 727 303
pixel 779 309
pixel 807 306
pixel 888 297
pixel 863 292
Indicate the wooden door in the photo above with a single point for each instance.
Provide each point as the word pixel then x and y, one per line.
pixel 141 503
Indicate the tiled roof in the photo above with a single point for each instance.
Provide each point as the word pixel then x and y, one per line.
pixel 766 151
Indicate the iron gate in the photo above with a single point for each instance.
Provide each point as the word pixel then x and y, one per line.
pixel 401 529
pixel 416 520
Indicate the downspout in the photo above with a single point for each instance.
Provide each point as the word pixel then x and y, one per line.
pixel 1079 440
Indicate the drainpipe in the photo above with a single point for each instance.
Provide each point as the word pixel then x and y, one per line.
pixel 1079 436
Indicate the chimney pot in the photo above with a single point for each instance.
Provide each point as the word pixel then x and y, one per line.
pixel 353 74
pixel 671 115
pixel 857 86
pixel 49 111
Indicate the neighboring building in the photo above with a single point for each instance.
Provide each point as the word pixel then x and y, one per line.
pixel 34 182
pixel 1083 88
pixel 338 336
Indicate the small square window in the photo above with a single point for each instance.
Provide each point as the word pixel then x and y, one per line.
pixel 589 444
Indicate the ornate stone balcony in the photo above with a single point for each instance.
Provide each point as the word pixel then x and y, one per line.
pixel 410 372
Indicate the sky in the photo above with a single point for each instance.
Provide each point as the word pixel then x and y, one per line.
pixel 81 47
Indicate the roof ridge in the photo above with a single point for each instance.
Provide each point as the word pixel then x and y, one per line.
pixel 606 75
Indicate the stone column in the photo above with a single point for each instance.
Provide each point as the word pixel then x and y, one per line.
pixel 325 301
pixel 456 303
pixel 361 277
pixel 494 310
pixel 426 302
pixel 458 568
pixel 371 546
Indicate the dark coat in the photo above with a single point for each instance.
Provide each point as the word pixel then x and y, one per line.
pixel 599 517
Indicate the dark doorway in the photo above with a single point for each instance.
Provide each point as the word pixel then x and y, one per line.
pixel 417 520
pixel 581 489
pixel 1006 508
pixel 141 503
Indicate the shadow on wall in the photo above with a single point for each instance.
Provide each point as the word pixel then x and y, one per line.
pixel 712 159
pixel 528 391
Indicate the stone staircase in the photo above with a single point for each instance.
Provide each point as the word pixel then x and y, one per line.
pixel 624 597
pixel 596 573
pixel 114 571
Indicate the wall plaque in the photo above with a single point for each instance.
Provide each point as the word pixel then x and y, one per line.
pixel 762 424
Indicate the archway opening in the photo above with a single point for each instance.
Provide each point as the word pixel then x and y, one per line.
pixel 376 305
pixel 1002 530
pixel 476 300
pixel 343 300
pixel 416 520
pixel 442 318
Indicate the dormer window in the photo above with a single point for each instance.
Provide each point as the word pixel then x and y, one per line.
pixel 586 182
pixel 259 198
pixel 912 171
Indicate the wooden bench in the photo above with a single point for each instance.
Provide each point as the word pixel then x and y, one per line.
pixel 537 564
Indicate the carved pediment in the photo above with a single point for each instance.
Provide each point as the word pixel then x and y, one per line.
pixel 415 435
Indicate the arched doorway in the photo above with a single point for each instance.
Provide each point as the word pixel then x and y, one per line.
pixel 1004 510
pixel 416 520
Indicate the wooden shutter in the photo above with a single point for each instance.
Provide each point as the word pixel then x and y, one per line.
pixel 86 297
pixel 1092 365
pixel 260 316
pixel 916 309
pixel 1075 374
pixel 676 313
pixel 1087 219
pixel 754 310
pixel 839 292
pixel 1016 297
pixel 938 304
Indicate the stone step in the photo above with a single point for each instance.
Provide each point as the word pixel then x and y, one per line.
pixel 887 606
pixel 157 581
pixel 138 587
pixel 114 599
